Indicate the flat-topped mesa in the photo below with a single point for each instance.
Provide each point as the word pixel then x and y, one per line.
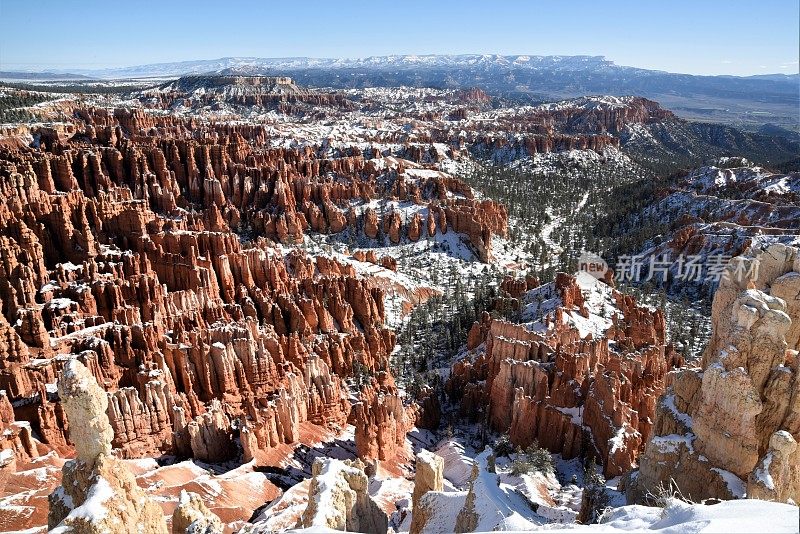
pixel 254 80
pixel 279 93
pixel 613 114
pixel 552 382
pixel 731 427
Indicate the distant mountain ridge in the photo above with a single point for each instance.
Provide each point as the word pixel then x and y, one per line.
pixel 750 101
pixel 377 62
pixel 41 76
pixel 255 64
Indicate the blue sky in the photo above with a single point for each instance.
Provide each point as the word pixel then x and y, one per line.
pixel 693 36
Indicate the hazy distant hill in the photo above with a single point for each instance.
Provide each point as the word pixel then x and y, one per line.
pixel 41 76
pixel 746 101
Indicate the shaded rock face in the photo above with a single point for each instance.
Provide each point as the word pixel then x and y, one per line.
pixel 15 436
pixel 338 499
pixel 732 425
pixel 97 493
pixel 381 420
pixel 553 386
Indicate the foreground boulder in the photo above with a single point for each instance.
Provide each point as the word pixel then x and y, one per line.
pixel 97 493
pixel 731 427
pixel 428 476
pixel 338 499
pixel 192 516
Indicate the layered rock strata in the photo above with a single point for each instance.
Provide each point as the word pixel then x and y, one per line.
pixel 126 250
pixel 574 393
pixel 730 428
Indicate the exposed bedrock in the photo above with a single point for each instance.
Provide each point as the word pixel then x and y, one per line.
pixel 731 426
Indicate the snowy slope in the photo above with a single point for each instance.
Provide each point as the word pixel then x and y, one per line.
pixel 543 300
pixel 746 515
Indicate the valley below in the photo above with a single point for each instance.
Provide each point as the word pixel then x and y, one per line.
pixel 236 303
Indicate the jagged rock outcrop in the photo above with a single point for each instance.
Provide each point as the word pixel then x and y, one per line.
pixel 430 411
pixel 428 476
pixel 381 420
pixel 338 499
pixel 552 385
pixel 467 518
pixel 97 493
pixel 731 426
pixel 16 439
pixel 192 517
pixel 119 246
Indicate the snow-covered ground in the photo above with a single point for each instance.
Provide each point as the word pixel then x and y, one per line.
pixel 678 517
pixel 539 304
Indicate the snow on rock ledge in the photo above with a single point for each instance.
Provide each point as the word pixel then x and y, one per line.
pixel 192 516
pixel 741 408
pixel 338 499
pixel 747 515
pixel 97 492
pixel 488 505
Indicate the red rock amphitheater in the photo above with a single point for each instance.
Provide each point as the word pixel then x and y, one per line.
pixel 149 249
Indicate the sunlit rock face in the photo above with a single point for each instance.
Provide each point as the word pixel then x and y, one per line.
pixel 97 493
pixel 575 392
pixel 338 499
pixel 125 254
pixel 731 426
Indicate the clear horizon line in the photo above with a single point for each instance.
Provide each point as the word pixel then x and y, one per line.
pixel 35 68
